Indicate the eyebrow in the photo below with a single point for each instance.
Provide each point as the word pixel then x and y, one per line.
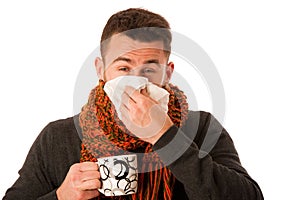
pixel 128 60
pixel 122 59
pixel 155 61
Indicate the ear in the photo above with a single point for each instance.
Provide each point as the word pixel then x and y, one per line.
pixel 169 72
pixel 99 68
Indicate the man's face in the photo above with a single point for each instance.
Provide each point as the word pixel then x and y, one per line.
pixel 125 56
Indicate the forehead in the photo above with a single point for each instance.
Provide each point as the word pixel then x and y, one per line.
pixel 120 45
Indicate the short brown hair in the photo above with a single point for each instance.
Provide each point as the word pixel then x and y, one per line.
pixel 148 27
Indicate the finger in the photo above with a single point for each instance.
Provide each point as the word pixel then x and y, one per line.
pixel 125 119
pixel 134 94
pixel 127 100
pixel 137 96
pixel 145 92
pixel 88 166
pixel 125 114
pixel 90 175
pixel 124 110
pixel 90 185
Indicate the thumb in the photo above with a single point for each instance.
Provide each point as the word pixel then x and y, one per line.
pixel 144 91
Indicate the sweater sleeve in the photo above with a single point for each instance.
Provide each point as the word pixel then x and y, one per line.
pixel 45 166
pixel 204 159
pixel 33 182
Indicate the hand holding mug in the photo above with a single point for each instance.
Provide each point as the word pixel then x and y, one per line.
pixel 82 182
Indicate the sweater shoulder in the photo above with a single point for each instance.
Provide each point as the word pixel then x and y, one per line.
pixel 64 123
pixel 62 129
pixel 201 125
pixel 196 121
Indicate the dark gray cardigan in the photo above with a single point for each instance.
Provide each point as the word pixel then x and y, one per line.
pixel 201 155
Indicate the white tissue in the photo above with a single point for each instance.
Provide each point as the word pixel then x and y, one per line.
pixel 115 88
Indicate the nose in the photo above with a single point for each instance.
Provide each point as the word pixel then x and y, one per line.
pixel 136 72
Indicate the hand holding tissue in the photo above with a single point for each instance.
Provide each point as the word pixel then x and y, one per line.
pixel 143 113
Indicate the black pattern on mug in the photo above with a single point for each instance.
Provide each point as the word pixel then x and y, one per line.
pixel 119 175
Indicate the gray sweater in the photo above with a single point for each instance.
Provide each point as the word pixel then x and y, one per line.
pixel 201 155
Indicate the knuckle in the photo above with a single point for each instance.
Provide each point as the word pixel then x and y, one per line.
pixel 95 184
pixel 75 167
pixel 98 174
pixel 98 185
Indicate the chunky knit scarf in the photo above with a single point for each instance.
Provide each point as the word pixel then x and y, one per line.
pixel 104 134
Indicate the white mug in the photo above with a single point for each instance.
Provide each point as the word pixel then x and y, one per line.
pixel 118 175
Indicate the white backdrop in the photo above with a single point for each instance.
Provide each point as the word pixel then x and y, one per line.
pixel 255 46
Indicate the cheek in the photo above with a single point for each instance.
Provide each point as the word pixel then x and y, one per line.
pixel 157 79
pixel 110 74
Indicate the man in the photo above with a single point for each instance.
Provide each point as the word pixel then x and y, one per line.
pixel 61 163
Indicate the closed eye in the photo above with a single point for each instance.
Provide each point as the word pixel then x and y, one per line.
pixel 123 68
pixel 148 70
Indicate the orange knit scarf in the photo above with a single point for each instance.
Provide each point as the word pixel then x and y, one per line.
pixel 104 134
